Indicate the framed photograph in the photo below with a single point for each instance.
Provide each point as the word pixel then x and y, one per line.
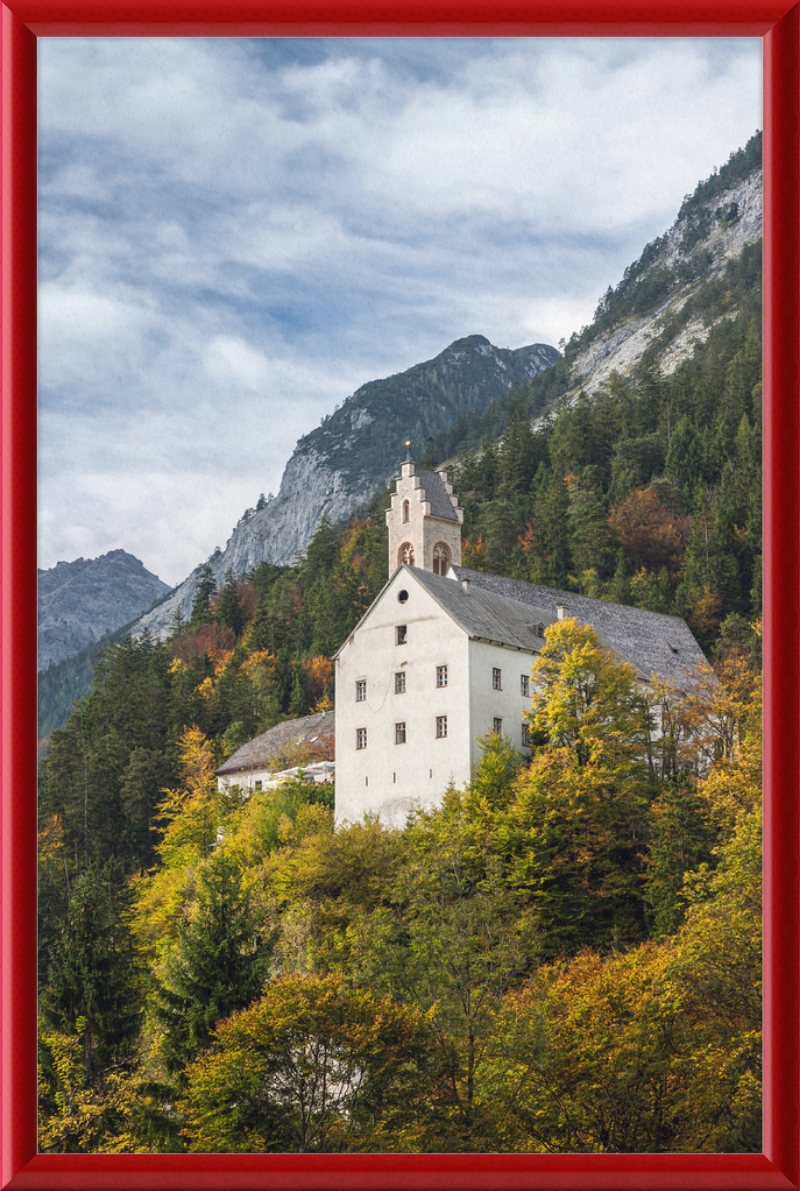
pixel 777 22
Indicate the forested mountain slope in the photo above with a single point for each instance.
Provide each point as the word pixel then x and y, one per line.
pixel 336 469
pixel 533 967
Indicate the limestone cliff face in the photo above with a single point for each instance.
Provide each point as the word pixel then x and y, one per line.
pixel 722 237
pixel 80 601
pixel 338 467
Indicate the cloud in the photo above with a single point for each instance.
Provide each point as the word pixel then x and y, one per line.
pixel 231 361
pixel 236 234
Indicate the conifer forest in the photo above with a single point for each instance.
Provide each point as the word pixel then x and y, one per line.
pixel 565 956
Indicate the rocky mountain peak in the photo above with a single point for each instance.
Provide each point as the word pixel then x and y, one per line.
pixel 651 307
pixel 338 467
pixel 80 601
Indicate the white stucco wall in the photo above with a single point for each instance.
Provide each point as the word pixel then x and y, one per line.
pixel 387 778
pixel 246 780
pixel 485 703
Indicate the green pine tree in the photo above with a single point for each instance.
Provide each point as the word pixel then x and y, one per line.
pixel 218 965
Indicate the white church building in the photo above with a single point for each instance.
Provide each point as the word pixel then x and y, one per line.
pixel 444 653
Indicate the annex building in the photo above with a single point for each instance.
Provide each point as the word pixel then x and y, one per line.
pixel 274 755
pixel 444 653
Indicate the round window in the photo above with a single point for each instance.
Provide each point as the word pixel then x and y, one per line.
pixel 402 596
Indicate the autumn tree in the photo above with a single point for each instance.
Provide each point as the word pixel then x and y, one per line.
pixel 314 1066
pixel 581 1057
pixel 586 700
pixel 453 939
pixel 328 884
pixel 650 533
pixel 574 832
pixel 715 981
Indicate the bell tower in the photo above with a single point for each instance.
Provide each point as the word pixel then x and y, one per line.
pixel 424 520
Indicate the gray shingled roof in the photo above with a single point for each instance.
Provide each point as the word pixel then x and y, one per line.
pixel 259 751
pixel 487 615
pixel 651 641
pixel 436 493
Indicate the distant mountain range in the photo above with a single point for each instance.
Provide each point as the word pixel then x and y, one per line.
pixel 652 313
pixel 81 601
pixel 340 465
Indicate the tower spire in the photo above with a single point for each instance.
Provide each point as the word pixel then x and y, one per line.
pixel 424 520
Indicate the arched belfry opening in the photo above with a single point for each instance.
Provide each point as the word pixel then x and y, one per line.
pixel 441 558
pixel 424 521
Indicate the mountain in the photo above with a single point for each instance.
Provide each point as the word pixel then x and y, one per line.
pixel 338 467
pixel 81 601
pixel 686 282
pixel 654 310
pixel 666 301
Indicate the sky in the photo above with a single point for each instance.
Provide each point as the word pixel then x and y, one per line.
pixel 234 235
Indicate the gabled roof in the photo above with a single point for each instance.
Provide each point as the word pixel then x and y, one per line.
pixel 651 641
pixel 486 615
pixel 436 493
pixel 259 752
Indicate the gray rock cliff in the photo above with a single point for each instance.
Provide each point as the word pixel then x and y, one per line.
pixel 338 467
pixel 80 601
pixel 622 349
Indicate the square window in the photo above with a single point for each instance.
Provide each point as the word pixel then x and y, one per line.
pixel 524 685
pixel 498 726
pixel 361 738
pixel 400 682
pixel 258 785
pixel 441 675
pixel 441 726
pixel 497 684
pixel 399 733
pixel 401 631
pixel 361 690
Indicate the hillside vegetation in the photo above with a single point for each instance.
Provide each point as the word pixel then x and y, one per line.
pixel 566 955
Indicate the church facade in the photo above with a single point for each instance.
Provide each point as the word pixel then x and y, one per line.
pixel 444 653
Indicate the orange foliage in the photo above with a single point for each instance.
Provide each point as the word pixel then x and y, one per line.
pixel 220 659
pixel 473 553
pixel 260 658
pixel 650 534
pixel 526 541
pixel 319 674
pixel 211 639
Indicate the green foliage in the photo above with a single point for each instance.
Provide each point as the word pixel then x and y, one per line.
pixel 104 770
pixel 313 1067
pixel 201 604
pixel 217 964
pixel 563 956
pixel 682 840
pixel 90 991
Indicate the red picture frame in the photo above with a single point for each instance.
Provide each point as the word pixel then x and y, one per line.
pixel 779 25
